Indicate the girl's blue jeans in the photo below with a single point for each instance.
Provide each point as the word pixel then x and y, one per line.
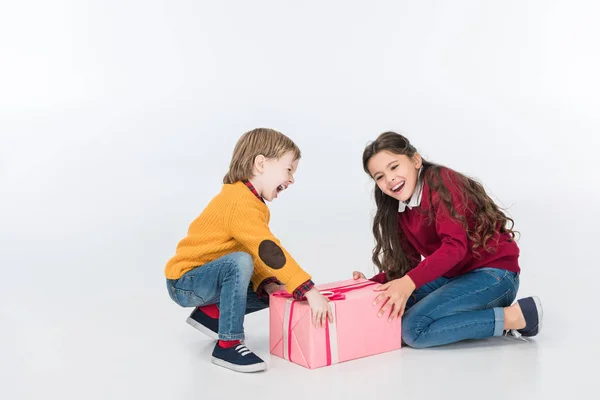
pixel 470 306
pixel 226 282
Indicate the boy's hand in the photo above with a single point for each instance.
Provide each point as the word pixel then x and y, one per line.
pixel 319 306
pixel 273 287
pixel 358 275
pixel 394 295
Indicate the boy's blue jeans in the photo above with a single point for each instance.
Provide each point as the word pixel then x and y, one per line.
pixel 469 306
pixel 226 282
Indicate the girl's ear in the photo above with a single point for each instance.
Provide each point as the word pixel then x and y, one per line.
pixel 417 160
pixel 259 163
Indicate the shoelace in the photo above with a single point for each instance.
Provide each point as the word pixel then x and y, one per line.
pixel 243 350
pixel 515 333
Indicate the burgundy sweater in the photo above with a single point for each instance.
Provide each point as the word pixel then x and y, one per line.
pixel 444 244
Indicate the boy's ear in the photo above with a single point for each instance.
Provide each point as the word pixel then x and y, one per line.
pixel 259 163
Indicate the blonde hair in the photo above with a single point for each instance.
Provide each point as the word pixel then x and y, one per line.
pixel 268 142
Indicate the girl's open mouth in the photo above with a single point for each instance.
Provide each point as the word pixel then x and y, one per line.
pixel 398 187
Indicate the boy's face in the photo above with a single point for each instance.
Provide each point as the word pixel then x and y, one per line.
pixel 396 175
pixel 274 175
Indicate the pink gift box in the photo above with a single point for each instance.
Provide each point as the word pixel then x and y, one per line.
pixel 356 332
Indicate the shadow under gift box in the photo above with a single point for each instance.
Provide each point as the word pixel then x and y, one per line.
pixel 356 332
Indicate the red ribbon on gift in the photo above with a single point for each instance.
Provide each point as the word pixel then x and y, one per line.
pixel 332 294
pixel 336 293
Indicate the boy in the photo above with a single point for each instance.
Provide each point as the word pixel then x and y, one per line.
pixel 231 259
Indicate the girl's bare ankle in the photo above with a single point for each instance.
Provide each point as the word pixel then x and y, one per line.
pixel 513 317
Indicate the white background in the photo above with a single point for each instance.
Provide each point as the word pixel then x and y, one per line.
pixel 117 121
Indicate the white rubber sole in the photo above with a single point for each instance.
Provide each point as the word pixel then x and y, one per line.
pixel 202 328
pixel 540 310
pixel 239 368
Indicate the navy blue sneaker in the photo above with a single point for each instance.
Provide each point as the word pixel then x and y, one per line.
pixel 205 324
pixel 531 307
pixel 238 358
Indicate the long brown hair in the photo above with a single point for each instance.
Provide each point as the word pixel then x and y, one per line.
pixel 486 218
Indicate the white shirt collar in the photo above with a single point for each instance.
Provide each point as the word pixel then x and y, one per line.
pixel 415 199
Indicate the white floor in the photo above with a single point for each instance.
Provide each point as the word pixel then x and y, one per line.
pixel 139 346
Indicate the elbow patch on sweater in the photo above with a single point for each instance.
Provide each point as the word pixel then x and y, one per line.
pixel 271 254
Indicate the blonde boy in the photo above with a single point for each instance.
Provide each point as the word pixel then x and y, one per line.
pixel 230 262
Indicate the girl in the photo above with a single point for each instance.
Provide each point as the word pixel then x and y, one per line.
pixel 444 250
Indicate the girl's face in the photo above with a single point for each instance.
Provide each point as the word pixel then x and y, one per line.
pixel 396 175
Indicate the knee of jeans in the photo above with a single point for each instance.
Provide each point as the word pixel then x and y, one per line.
pixel 411 338
pixel 412 327
pixel 409 335
pixel 243 263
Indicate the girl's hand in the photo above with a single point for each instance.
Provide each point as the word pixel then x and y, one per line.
pixel 394 294
pixel 319 306
pixel 358 275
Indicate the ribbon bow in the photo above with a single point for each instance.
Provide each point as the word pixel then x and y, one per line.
pixel 333 293
pixel 330 294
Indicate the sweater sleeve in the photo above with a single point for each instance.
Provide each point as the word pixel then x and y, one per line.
pixel 412 254
pixel 249 227
pixel 453 237
pixel 379 278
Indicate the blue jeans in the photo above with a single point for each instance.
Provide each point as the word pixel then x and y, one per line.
pixel 225 282
pixel 469 306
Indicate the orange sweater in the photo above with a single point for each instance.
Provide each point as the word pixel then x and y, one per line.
pixel 236 220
